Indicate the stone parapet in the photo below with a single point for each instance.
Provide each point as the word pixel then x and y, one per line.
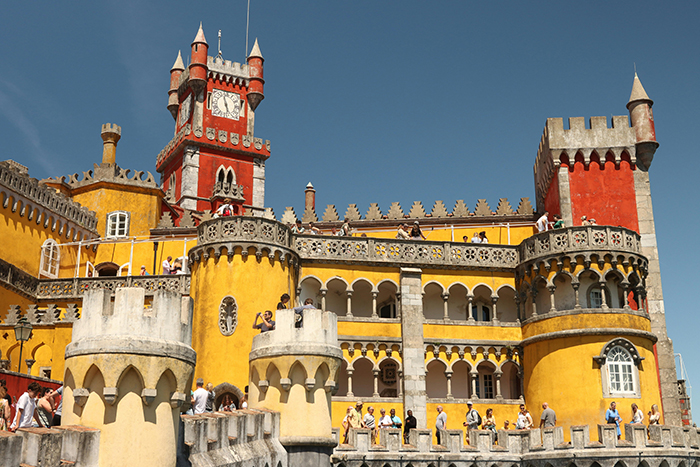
pixel 240 438
pixel 73 445
pixel 228 190
pixel 107 173
pixel 531 447
pixel 17 280
pixel 62 289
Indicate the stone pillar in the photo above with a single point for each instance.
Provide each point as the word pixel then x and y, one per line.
pixel 448 375
pixel 625 293
pixel 470 302
pixel 348 313
pixel 533 293
pixel 575 286
pixel 517 306
pixel 350 372
pixel 445 310
pixel 552 307
pixel 323 293
pixel 474 375
pixel 494 318
pixel 603 299
pixel 498 374
pixel 414 397
pixel 190 178
pixel 30 363
pixel 400 383
pixel 258 186
pixel 375 373
pixel 374 305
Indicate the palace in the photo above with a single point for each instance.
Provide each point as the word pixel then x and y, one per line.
pixel 572 316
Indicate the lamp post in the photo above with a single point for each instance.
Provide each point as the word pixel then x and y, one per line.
pixel 23 330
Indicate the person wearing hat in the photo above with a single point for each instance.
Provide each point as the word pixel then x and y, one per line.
pixel 473 417
pixel 355 417
pixel 401 233
pixel 584 220
pixel 199 398
pixel 416 233
pixel 143 271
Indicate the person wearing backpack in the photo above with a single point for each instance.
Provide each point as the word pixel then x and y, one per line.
pixel 225 209
pixel 473 418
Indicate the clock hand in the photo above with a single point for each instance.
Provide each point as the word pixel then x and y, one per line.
pixel 226 105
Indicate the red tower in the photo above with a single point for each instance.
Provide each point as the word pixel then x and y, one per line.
pixel 214 154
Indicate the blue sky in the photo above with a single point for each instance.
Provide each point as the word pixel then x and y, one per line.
pixel 373 101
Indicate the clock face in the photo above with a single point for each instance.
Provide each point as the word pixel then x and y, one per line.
pixel 225 104
pixel 185 110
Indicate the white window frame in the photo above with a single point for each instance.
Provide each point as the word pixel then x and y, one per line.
pixel 610 368
pixel 114 216
pixel 50 262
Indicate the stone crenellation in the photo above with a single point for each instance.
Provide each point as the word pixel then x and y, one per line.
pixel 417 211
pixel 63 445
pixel 676 446
pixel 41 203
pixel 113 173
pixel 228 71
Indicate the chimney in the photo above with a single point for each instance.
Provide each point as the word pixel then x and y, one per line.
pixel 111 133
pixel 310 198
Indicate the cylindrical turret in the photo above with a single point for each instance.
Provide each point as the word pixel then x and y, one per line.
pixel 642 119
pixel 198 64
pixel 128 370
pixel 255 70
pixel 111 133
pixel 175 74
pixel 309 198
pixel 293 370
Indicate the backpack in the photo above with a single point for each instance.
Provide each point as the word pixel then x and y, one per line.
pixel 227 210
pixel 478 419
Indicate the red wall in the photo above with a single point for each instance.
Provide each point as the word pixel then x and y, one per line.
pixel 17 385
pixel 551 201
pixel 605 194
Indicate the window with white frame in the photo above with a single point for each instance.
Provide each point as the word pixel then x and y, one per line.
pixel 50 259
pixel 117 224
pixel 620 370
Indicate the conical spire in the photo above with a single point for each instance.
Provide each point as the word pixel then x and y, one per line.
pixel 200 36
pixel 638 92
pixel 178 65
pixel 256 50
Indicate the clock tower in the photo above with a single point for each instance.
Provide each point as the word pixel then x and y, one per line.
pixel 214 154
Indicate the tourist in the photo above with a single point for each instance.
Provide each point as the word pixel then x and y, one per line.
pixel 4 410
pixel 143 271
pixel 482 237
pixel 225 209
pixel 593 222
pixel 177 267
pixel 543 222
pixel 524 419
pixel 490 421
pixel 416 233
pixel 227 404
pixel 584 220
pixel 395 421
pixel 313 230
pixel 58 393
pixel 26 408
pixel 548 418
pixel 284 299
pixel 654 415
pixel 612 416
pixel 476 238
pixel 346 424
pixel 637 415
pixel 506 424
pixel 345 228
pixel 472 422
pixel 199 398
pixel 308 304
pixel 411 423
pixel 370 423
pixel 167 266
pixel 558 223
pixel 401 233
pixel 355 419
pixel 298 228
pixel 267 323
pixel 44 407
pixel 440 422
pixel 465 239
pixel 244 399
pixel 385 420
pixel 210 398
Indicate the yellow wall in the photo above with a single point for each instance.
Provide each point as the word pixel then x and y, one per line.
pixel 256 286
pixel 46 345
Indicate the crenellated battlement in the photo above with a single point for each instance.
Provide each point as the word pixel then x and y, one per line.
pixel 537 447
pixel 228 71
pixel 62 445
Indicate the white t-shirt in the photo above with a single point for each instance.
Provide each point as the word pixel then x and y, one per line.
pixel 200 400
pixel 27 405
pixel 166 267
pixel 385 422
pixel 542 223
pixel 476 239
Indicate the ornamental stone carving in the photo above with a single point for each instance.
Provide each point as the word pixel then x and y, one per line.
pixel 228 315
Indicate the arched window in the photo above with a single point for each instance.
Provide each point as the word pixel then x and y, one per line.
pixel 117 224
pixel 50 259
pixel 620 370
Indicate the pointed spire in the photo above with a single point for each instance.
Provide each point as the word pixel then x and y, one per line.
pixel 638 92
pixel 178 65
pixel 256 50
pixel 199 38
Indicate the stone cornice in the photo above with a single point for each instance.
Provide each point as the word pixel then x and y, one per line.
pixel 589 332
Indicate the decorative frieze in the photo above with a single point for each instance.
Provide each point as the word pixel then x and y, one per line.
pixel 75 288
pixel 228 190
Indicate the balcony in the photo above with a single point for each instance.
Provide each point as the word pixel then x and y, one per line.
pixel 228 190
pixel 62 289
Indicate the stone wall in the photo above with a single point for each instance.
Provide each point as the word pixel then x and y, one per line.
pixel 74 445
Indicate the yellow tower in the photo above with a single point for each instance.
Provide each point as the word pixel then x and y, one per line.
pixel 128 369
pixel 293 370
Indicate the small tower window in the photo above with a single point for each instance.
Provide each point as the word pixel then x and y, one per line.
pixel 620 363
pixel 595 296
pixel 620 370
pixel 50 259
pixel 117 224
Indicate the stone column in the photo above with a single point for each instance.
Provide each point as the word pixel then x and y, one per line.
pixel 413 345
pixel 533 293
pixel 497 374
pixel 494 318
pixel 349 306
pixel 474 375
pixel 399 382
pixel 190 178
pixel 470 300
pixel 625 294
pixel 445 311
pixel 350 372
pixel 374 305
pixel 603 300
pixel 552 289
pixel 258 186
pixel 30 363
pixel 376 383
pixel 577 304
pixel 448 375
pixel 517 306
pixel 323 293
